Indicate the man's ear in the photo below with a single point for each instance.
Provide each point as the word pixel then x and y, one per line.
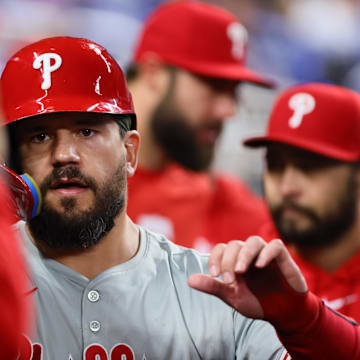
pixel 357 179
pixel 3 145
pixel 154 74
pixel 132 146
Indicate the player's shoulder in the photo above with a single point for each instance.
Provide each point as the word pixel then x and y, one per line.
pixel 183 259
pixel 234 192
pixel 20 228
pixel 181 177
pixel 173 182
pixel 230 183
pixel 31 252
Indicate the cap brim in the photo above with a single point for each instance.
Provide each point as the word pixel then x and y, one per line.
pixel 318 148
pixel 231 71
pixel 259 141
pixel 234 72
pixel 242 74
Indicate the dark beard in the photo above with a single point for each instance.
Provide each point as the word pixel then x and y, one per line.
pixel 71 230
pixel 177 138
pixel 326 231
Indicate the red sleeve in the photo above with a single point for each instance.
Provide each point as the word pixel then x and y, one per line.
pixel 12 284
pixel 330 336
pixel 308 329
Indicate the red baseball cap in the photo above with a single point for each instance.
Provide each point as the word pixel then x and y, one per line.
pixel 202 38
pixel 321 118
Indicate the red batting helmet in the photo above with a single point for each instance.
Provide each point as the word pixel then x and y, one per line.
pixel 321 118
pixel 64 74
pixel 198 37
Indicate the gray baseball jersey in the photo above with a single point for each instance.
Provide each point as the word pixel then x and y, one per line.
pixel 142 309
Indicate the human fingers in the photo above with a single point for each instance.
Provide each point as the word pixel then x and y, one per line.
pixel 276 250
pixel 249 252
pixel 229 259
pixel 215 259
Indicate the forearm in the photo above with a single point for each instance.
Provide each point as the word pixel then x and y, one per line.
pixel 330 336
pixel 307 328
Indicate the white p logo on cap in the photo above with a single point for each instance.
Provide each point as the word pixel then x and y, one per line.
pixel 44 61
pixel 238 36
pixel 302 104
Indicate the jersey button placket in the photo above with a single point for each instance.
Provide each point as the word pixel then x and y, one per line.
pixel 93 296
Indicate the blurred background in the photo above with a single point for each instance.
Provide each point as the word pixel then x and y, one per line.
pixel 291 41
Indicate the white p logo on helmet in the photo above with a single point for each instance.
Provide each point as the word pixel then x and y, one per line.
pixel 302 104
pixel 238 36
pixel 44 61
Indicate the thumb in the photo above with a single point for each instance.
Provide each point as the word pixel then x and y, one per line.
pixel 207 284
pixel 236 295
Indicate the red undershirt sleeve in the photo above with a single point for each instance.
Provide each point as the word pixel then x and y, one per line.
pixel 308 329
pixel 329 336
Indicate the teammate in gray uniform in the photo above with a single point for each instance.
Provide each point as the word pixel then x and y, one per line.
pixel 106 288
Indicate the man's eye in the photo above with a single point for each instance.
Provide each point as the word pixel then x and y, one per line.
pixel 86 132
pixel 275 167
pixel 274 164
pixel 39 138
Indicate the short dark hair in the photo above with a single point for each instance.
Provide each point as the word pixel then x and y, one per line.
pixel 133 69
pixel 125 122
pixel 131 72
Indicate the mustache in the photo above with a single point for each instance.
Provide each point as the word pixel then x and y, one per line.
pixel 69 172
pixel 288 204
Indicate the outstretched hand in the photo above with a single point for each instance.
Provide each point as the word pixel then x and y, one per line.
pixel 258 278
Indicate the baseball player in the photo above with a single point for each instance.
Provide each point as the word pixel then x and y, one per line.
pixel 311 186
pixel 106 288
pixel 188 63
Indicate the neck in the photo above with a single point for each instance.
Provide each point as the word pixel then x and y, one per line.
pixel 333 257
pixel 117 247
pixel 151 155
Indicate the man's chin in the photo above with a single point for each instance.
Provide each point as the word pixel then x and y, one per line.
pixel 68 215
pixel 297 220
pixel 197 162
pixel 69 206
pixel 297 227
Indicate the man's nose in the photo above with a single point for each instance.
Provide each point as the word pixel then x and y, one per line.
pixel 65 150
pixel 224 105
pixel 290 181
